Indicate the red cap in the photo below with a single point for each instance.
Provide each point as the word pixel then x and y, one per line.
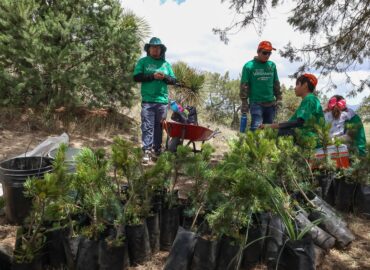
pixel 265 45
pixel 312 78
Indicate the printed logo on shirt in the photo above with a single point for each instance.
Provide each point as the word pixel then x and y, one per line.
pixel 262 74
pixel 151 68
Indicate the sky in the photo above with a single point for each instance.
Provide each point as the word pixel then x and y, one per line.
pixel 185 27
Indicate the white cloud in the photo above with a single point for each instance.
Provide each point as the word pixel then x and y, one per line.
pixel 186 29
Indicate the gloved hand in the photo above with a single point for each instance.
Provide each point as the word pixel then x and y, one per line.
pixel 244 107
pixel 179 84
pixel 279 105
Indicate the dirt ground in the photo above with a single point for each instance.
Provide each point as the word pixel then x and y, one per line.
pixel 16 137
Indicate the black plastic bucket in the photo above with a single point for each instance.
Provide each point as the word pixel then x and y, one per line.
pixel 13 174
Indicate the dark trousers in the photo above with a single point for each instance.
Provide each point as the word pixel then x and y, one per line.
pixel 152 115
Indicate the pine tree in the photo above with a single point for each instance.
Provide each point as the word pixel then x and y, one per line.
pixel 343 26
pixel 65 53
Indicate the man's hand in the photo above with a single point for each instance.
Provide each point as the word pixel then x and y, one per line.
pixel 158 76
pixel 245 107
pixel 279 104
pixel 273 125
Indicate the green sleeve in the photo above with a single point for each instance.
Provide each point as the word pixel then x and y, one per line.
pixel 245 75
pixel 355 129
pixel 305 110
pixel 139 68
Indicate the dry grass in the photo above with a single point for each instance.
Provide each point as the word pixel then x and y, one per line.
pixel 156 262
pixel 357 255
pixel 7 236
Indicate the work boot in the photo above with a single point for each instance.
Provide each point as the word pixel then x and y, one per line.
pixel 146 157
pixel 156 154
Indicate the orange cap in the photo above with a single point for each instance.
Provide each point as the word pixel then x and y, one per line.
pixel 312 78
pixel 265 45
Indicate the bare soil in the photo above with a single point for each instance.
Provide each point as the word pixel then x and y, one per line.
pixel 23 130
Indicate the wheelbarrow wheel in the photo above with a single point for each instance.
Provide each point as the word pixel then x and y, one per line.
pixel 173 143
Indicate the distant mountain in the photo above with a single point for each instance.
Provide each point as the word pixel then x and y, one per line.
pixel 353 107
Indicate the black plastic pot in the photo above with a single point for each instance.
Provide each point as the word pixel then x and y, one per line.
pixel 345 195
pixel 182 251
pixel 298 254
pixel 324 207
pixel 157 201
pixel 334 226
pixel 327 184
pixel 362 200
pixel 13 174
pixel 5 259
pixel 274 240
pixel 205 254
pixel 138 243
pixel 254 250
pixel 71 245
pixel 35 265
pixel 319 236
pixel 170 220
pixel 113 257
pixel 87 256
pixel 56 257
pixel 187 222
pixel 228 254
pixel 152 223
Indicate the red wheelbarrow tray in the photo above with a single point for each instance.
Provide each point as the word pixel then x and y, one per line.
pixel 186 131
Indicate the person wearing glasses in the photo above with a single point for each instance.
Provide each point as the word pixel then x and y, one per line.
pixel 260 87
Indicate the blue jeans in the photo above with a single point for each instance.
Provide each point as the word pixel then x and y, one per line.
pixel 261 115
pixel 151 129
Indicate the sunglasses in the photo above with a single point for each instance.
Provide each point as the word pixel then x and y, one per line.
pixel 266 53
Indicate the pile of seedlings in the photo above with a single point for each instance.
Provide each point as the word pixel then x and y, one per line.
pixel 261 204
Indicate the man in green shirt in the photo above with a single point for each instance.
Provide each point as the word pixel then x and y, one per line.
pixel 260 85
pixel 307 114
pixel 154 73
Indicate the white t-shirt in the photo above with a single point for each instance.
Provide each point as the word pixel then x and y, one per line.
pixel 337 125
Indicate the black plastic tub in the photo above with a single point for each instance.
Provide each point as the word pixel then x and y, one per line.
pixel 13 174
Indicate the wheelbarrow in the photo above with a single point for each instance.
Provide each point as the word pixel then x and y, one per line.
pixel 177 133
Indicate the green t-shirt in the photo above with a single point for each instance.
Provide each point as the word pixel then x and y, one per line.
pixel 260 78
pixel 154 91
pixel 355 129
pixel 310 111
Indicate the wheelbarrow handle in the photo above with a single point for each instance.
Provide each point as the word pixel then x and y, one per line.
pixel 214 134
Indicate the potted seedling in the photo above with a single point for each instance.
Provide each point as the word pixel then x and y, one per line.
pixel 102 231
pixel 51 207
pixel 128 167
pixel 174 164
pixel 297 252
pixel 199 171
